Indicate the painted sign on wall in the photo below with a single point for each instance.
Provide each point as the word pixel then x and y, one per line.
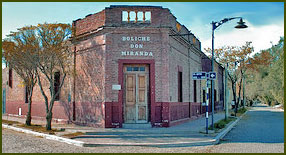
pixel 136 42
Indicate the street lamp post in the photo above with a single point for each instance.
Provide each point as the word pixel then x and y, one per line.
pixel 225 92
pixel 243 91
pixel 214 26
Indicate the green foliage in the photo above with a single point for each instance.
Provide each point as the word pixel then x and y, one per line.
pixel 266 75
pixel 236 59
pixel 242 110
pixel 221 124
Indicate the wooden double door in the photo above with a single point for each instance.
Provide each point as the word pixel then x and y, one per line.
pixel 136 84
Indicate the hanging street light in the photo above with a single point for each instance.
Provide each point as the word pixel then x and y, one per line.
pixel 241 25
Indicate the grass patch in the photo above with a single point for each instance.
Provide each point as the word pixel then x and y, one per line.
pixel 239 112
pixel 221 124
pixel 39 128
pixel 9 122
pixel 71 135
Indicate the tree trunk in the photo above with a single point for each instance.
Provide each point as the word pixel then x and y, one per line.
pixel 49 121
pixel 234 98
pixel 239 90
pixel 29 117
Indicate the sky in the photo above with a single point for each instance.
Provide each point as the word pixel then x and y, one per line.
pixel 265 20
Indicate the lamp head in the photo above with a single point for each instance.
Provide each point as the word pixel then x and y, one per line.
pixel 241 24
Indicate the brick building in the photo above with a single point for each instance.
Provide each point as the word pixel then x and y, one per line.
pixel 133 67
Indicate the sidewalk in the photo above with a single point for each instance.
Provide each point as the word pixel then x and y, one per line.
pixel 187 134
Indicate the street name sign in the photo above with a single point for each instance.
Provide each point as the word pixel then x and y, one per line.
pixel 204 75
pixel 199 75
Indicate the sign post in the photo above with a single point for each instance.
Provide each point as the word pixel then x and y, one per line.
pixel 208 76
pixel 212 76
pixel 207 105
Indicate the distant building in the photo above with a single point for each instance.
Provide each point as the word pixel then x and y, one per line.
pixel 134 66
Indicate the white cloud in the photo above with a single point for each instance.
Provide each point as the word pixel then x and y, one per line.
pixel 261 37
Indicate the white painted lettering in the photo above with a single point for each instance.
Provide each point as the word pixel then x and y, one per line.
pixel 135 38
pixel 123 53
pixel 147 38
pixel 136 53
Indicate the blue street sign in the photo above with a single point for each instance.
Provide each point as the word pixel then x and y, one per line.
pixel 211 75
pixel 199 75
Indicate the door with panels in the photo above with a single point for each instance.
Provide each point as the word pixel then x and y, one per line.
pixel 136 83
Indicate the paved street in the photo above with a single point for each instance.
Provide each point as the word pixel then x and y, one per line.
pixel 261 130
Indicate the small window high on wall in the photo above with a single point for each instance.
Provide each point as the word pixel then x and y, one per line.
pixel 136 16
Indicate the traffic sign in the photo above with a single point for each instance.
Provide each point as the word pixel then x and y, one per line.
pixel 199 75
pixel 211 75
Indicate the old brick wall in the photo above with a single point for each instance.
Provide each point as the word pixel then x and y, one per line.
pixel 15 99
pixel 219 86
pixel 181 55
pixel 89 80
pixel 115 46
pixel 219 82
pixel 90 23
pixel 159 16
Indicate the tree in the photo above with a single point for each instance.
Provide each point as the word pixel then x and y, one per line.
pixel 19 52
pixel 243 55
pixel 267 67
pixel 53 62
pixel 236 58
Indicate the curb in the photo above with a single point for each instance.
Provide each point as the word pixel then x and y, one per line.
pixel 224 132
pixel 178 144
pixel 86 144
pixel 47 136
